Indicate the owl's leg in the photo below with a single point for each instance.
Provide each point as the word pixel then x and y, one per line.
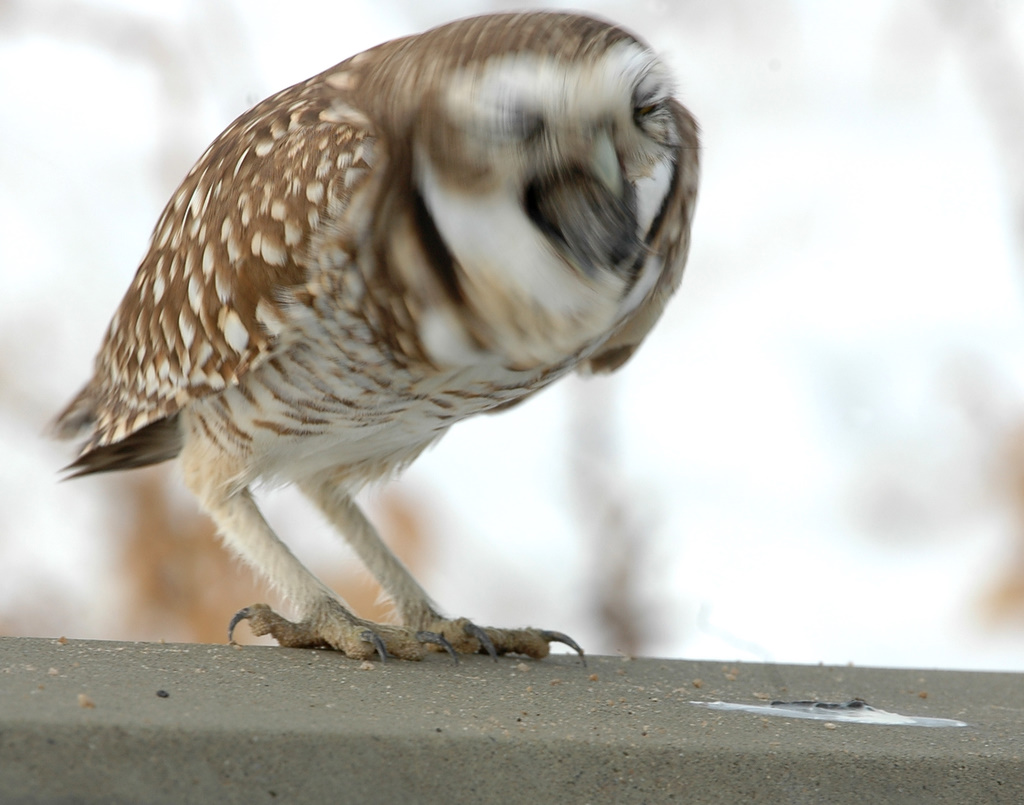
pixel 326 620
pixel 415 608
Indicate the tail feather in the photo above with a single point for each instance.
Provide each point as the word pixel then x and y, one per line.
pixel 159 441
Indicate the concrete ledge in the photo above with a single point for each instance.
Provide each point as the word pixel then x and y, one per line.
pixel 86 721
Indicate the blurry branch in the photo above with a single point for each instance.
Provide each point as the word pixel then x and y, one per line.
pixel 613 528
pixel 180 585
pixel 992 60
pixel 1003 600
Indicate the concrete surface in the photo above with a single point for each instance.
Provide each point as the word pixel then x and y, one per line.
pixel 84 721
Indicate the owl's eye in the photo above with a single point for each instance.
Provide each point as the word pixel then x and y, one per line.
pixel 527 125
pixel 645 109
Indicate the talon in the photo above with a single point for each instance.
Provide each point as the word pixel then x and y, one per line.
pixel 241 615
pixel 378 644
pixel 438 640
pixel 485 641
pixel 558 637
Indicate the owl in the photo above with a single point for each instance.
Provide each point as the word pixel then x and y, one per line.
pixel 437 227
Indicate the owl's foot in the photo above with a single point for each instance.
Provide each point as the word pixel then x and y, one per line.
pixel 338 629
pixel 468 638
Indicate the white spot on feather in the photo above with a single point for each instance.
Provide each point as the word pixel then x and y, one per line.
pixel 341 112
pixel 353 175
pixel 195 294
pixel 292 233
pixel 343 80
pixel 119 432
pixel 165 234
pixel 363 151
pixel 208 260
pixel 158 288
pixel 203 354
pixel 195 203
pixel 215 381
pixel 273 252
pixel 187 330
pixel 269 318
pixel 234 331
pixel 222 283
pixel 241 159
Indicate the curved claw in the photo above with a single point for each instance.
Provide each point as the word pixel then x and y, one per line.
pixel 237 618
pixel 438 640
pixel 485 641
pixel 559 637
pixel 378 644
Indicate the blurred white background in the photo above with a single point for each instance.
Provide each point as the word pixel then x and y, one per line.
pixel 817 456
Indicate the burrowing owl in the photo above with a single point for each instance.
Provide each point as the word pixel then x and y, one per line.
pixel 437 227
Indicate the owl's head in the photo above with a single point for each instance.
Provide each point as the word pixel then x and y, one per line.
pixel 545 152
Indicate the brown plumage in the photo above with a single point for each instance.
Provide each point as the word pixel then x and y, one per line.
pixel 434 228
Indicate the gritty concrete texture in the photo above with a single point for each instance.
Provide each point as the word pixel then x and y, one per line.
pixel 84 721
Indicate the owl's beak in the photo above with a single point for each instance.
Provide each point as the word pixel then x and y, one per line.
pixel 588 209
pixel 604 163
